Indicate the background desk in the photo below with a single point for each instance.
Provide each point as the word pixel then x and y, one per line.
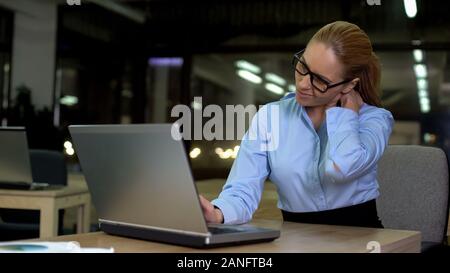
pixel 294 238
pixel 49 202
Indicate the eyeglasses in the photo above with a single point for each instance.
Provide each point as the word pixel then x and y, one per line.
pixel 317 81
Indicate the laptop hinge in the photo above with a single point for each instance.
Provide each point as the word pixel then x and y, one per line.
pixel 156 228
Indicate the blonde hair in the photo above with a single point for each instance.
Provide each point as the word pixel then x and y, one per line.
pixel 353 48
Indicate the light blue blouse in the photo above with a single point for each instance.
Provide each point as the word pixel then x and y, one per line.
pixel 282 145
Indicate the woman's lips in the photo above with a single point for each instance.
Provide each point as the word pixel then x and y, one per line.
pixel 304 94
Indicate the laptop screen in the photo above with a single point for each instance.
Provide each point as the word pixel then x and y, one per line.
pixel 138 174
pixel 14 155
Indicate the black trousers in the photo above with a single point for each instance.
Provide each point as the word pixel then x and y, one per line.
pixel 361 215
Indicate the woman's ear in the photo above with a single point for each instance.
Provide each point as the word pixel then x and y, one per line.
pixel 351 85
pixel 355 83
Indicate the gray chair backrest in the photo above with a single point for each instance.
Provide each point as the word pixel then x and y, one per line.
pixel 414 187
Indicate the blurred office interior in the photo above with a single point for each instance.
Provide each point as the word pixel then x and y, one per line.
pixel 131 61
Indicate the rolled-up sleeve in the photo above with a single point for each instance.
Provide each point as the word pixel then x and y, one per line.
pixel 356 142
pixel 242 192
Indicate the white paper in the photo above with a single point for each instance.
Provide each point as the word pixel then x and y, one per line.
pixel 49 247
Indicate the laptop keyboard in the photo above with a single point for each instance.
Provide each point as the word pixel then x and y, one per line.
pixel 15 185
pixel 223 230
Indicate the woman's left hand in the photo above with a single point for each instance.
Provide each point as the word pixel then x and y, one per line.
pixel 352 100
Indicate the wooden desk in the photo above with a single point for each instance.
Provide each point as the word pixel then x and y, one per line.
pixel 49 202
pixel 294 238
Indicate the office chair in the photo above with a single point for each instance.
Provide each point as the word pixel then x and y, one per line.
pixel 47 167
pixel 414 187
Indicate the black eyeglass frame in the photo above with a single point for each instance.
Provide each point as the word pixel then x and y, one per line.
pixel 314 75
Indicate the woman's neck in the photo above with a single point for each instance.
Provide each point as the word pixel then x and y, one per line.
pixel 316 114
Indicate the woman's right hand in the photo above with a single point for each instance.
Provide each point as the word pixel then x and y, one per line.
pixel 212 214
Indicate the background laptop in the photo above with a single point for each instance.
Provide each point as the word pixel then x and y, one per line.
pixel 141 185
pixel 15 168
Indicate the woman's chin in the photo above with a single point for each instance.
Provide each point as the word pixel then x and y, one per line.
pixel 302 101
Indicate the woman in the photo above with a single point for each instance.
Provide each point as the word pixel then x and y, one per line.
pixel 332 133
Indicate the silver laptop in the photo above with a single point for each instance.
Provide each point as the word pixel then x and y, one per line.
pixel 141 185
pixel 15 168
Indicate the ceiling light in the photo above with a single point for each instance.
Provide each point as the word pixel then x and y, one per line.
pixel 67 144
pixel 423 94
pixel 243 64
pixel 292 88
pixel 275 78
pixel 420 70
pixel 274 88
pixel 424 108
pixel 418 55
pixel 422 84
pixel 424 100
pixel 410 8
pixel 165 61
pixel 196 105
pixel 195 153
pixel 68 100
pixel 249 76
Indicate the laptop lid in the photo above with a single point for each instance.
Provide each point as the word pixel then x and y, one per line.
pixel 139 175
pixel 15 164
